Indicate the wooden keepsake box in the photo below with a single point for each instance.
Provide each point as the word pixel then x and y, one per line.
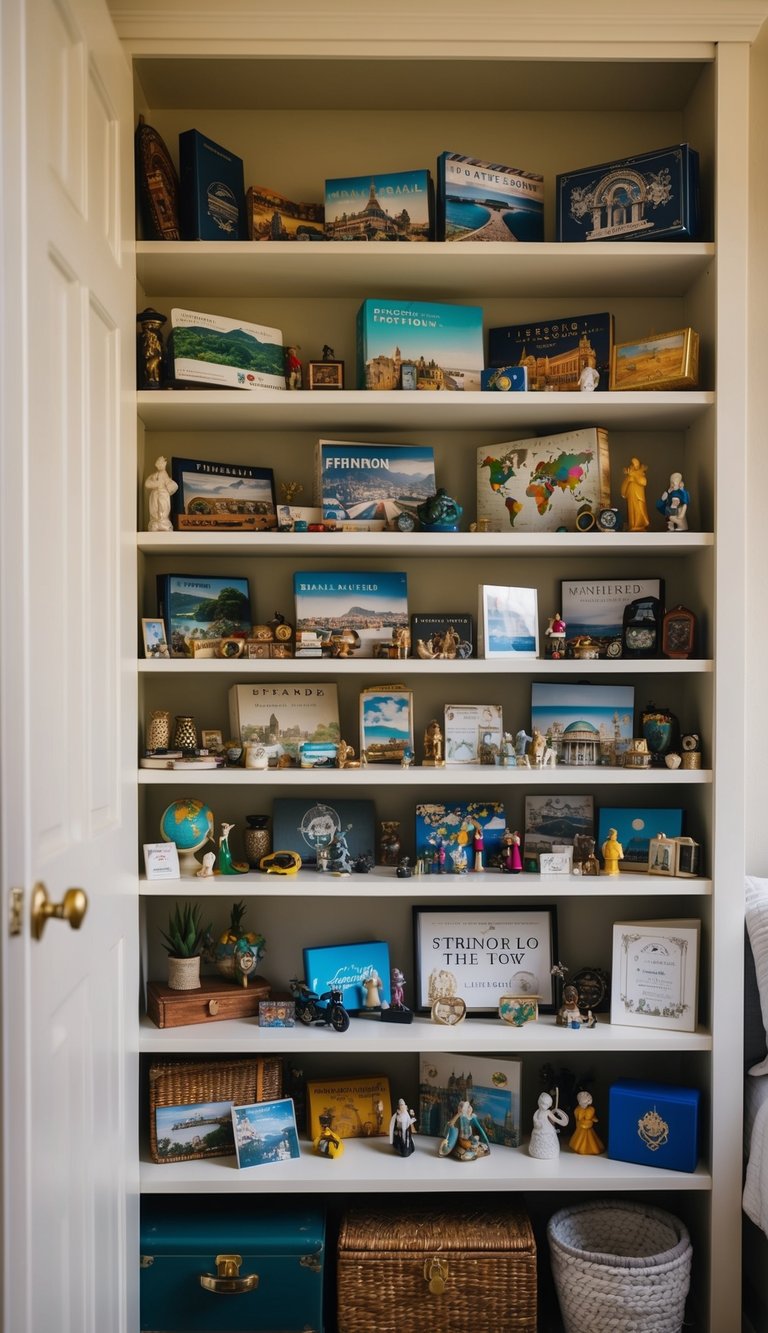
pixel 214 1001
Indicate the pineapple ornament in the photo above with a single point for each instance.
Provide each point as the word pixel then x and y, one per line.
pixel 238 951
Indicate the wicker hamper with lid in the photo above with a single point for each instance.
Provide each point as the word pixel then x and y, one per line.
pixel 424 1269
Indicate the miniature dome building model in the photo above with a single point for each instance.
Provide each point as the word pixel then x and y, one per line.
pixel 580 744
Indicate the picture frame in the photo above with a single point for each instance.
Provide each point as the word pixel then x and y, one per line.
pixel 562 820
pixel 585 724
pixel 594 608
pixel 473 733
pixel 635 827
pixel 325 375
pixel 661 361
pixel 386 724
pixel 662 856
pixel 446 825
pixel 480 953
pixel 654 974
pixel 222 496
pixel 211 739
pixel 556 863
pixel 161 860
pixel 154 637
pixel 507 622
pixel 265 1132
pixel 492 1083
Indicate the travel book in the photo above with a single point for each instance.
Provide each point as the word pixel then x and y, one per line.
pixel 371 605
pixel 421 344
pixel 490 1085
pixel 211 349
pixel 281 716
pixel 272 217
pixel 368 485
pixel 222 496
pixel 554 352
pixel 212 196
pixel 484 201
pixel 353 1108
pixel 540 484
pixel 393 206
pixel 198 607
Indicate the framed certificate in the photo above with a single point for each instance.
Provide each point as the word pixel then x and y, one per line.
pixel 482 953
pixel 654 979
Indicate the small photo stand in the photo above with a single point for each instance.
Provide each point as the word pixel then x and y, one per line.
pixel 211 739
pixel 325 374
pixel 662 856
pixel 155 642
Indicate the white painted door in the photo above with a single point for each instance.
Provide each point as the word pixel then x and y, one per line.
pixel 67 687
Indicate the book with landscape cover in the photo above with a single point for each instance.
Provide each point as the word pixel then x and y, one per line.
pixel 373 604
pixel 392 206
pixel 198 607
pixel 540 484
pixel 212 190
pixel 222 495
pixel 442 344
pixel 555 351
pixel 272 217
pixel 484 201
pixel 230 353
pixel 370 484
pixel 282 716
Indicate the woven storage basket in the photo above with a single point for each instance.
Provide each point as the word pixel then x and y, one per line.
pixel 189 1082
pixel 619 1266
pixel 414 1269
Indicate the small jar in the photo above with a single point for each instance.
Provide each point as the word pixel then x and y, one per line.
pixel 185 733
pixel 257 839
pixel 159 729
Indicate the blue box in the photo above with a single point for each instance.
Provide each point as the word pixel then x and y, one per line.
pixel 486 201
pixel 554 352
pixel 284 1244
pixel 212 199
pixel 393 206
pixel 443 342
pixel 504 379
pixel 649 197
pixel 345 967
pixel 653 1124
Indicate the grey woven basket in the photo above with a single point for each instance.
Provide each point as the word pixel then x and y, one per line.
pixel 620 1267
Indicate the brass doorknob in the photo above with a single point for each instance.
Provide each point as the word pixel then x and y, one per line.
pixel 72 909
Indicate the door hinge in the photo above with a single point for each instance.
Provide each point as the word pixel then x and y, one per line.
pixel 15 911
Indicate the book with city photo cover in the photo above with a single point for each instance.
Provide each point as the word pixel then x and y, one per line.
pixel 368 485
pixel 369 605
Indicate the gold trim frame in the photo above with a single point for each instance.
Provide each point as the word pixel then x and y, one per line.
pixel 660 361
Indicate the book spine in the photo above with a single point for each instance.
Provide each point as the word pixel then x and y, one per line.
pixel 189 193
pixel 360 345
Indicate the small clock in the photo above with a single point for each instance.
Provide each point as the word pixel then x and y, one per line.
pixel 608 520
pixel 405 523
pixel 678 632
pixel 640 631
pixel 592 983
pixel 691 742
pixel 614 649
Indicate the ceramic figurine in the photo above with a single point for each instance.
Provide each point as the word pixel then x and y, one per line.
pixel 206 869
pixel 584 1139
pixel 327 1144
pixel 633 490
pixel 542 752
pixel 401 1128
pixel 433 745
pixel 590 865
pixel 407 757
pixel 544 1143
pixel 589 379
pixel 322 859
pixel 512 862
pixel 555 633
pixel 522 741
pixel 345 756
pixel 569 1015
pixel 293 377
pixel 440 513
pixel 613 852
pixel 478 847
pixel 227 866
pixel 404 870
pixel 372 988
pixel 161 487
pixel 398 989
pixel 507 757
pixel 363 863
pixel 150 351
pixel 673 504
pixel 465 1139
pixel 339 860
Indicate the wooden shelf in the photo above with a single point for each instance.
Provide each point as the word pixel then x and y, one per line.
pixel 459 775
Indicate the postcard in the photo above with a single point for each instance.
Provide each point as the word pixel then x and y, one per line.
pixel 265 1132
pixel 211 349
pixel 491 1085
pixel 346 967
pixel 484 201
pixel 272 217
pixel 354 1108
pixel 450 826
pixel 196 608
pixel 386 724
pixel 473 733
pixel 199 1129
pixel 222 495
pixel 584 724
pixel 161 860
pixel 282 716
pixel 555 821
pixel 654 976
pixel 313 822
pixel 540 484
pixel 370 605
pixel 391 206
pixel 360 483
pixel 634 828
pixel 555 352
pixel 507 622
pixel 594 608
pixel 444 344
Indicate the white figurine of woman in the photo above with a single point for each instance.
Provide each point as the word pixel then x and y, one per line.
pixel 161 487
pixel 589 379
pixel 544 1142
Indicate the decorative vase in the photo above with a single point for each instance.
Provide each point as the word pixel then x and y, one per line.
pixel 661 730
pixel 184 973
pixel 185 733
pixel 257 839
pixel 389 845
pixel 159 729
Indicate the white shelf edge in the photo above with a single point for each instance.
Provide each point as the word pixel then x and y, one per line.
pixel 459 775
pixel 472 666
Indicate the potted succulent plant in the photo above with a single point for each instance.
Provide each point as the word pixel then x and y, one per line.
pixel 184 941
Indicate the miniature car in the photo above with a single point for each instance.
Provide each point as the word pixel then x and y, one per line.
pixel 280 863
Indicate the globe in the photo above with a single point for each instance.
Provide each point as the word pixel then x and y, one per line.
pixel 189 824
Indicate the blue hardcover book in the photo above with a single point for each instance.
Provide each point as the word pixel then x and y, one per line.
pixel 393 206
pixel 196 608
pixel 369 605
pixel 212 190
pixel 370 484
pixel 654 1124
pixel 442 343
pixel 555 352
pixel 484 201
pixel 346 967
pixel 306 824
pixel 649 197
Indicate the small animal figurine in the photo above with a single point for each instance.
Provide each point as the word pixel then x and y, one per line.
pixel 633 490
pixel 522 741
pixel 401 1128
pixel 206 869
pixel 673 504
pixel 584 1139
pixel 464 1138
pixel 345 756
pixel 613 852
pixel 544 1143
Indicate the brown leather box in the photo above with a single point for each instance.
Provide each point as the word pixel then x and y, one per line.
pixel 214 1001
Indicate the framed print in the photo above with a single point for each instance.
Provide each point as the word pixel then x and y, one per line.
pixel 325 374
pixel 222 496
pixel 265 1132
pixel 155 642
pixel 211 739
pixel 508 622
pixel 161 860
pixel 558 821
pixel 662 361
pixel 556 863
pixel 492 1083
pixel 473 733
pixel 584 724
pixel 594 608
pixel 386 724
pixel 482 953
pixel 634 829
pixel 662 856
pixel 654 977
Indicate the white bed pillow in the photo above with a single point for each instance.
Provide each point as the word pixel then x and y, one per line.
pixel 756 899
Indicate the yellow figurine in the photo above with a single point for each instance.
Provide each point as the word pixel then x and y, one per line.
pixel 613 852
pixel 633 490
pixel 584 1139
pixel 327 1144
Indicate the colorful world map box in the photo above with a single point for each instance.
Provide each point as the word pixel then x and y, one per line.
pixel 442 345
pixel 484 201
pixel 540 484
pixel 392 206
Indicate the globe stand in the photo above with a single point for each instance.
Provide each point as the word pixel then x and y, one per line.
pixel 188 862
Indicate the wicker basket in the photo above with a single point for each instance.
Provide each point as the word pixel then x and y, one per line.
pixel 413 1269
pixel 619 1266
pixel 190 1082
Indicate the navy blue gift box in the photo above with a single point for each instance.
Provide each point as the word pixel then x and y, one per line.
pixel 651 196
pixel 212 190
pixel 653 1124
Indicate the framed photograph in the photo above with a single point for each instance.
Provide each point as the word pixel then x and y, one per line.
pixel 450 827
pixel 594 608
pixel 325 374
pixel 386 724
pixel 200 1129
pixel 635 827
pixel 155 642
pixel 492 1085
pixel 508 622
pixel 556 863
pixel 222 496
pixel 211 739
pixel 662 856
pixel 584 724
pixel 654 978
pixel 552 821
pixel 473 733
pixel 161 860
pixel 482 953
pixel 265 1132
pixel 662 361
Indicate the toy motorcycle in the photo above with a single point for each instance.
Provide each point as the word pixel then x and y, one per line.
pixel 313 1008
